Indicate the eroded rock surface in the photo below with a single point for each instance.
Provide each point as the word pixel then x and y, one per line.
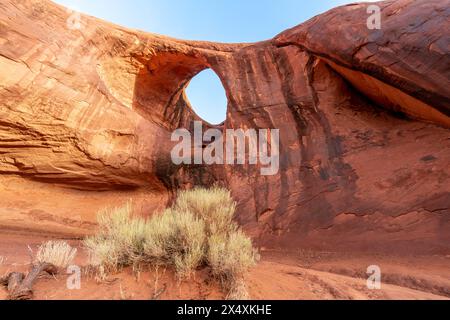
pixel 86 118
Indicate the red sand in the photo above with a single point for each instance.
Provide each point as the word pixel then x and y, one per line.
pixel 279 275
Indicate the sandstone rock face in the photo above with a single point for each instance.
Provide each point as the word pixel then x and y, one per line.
pixel 86 117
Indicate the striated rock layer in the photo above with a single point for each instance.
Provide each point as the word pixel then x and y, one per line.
pixel 86 117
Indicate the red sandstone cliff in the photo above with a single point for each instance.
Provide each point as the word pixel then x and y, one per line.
pixel 86 117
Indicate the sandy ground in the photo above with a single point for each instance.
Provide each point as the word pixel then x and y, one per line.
pixel 279 275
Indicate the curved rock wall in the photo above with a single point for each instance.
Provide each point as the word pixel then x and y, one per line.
pixel 86 118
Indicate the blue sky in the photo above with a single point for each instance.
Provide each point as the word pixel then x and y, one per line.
pixel 214 20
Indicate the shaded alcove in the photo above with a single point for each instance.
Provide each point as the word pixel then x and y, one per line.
pixel 159 87
pixel 162 84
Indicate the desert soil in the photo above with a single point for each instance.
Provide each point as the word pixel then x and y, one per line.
pixel 292 275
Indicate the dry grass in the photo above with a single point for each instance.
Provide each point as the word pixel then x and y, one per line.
pixel 58 253
pixel 197 231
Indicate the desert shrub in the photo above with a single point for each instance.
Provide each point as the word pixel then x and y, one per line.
pixel 159 233
pixel 198 230
pixel 104 252
pixel 172 238
pixel 215 206
pixel 230 255
pixel 175 238
pixel 120 239
pixel 237 290
pixel 187 242
pixel 58 253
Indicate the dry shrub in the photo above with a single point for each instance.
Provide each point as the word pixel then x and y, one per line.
pixel 215 206
pixel 237 290
pixel 119 240
pixel 58 253
pixel 230 255
pixel 187 242
pixel 171 239
pixel 159 232
pixel 104 253
pixel 198 230
pixel 175 238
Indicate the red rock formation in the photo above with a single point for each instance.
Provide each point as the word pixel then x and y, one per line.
pixel 86 117
pixel 403 66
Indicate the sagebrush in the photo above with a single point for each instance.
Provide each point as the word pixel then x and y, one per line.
pixel 198 230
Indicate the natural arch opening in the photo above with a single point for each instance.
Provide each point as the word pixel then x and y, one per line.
pixel 207 97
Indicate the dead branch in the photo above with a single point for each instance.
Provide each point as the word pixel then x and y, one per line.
pixel 21 287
